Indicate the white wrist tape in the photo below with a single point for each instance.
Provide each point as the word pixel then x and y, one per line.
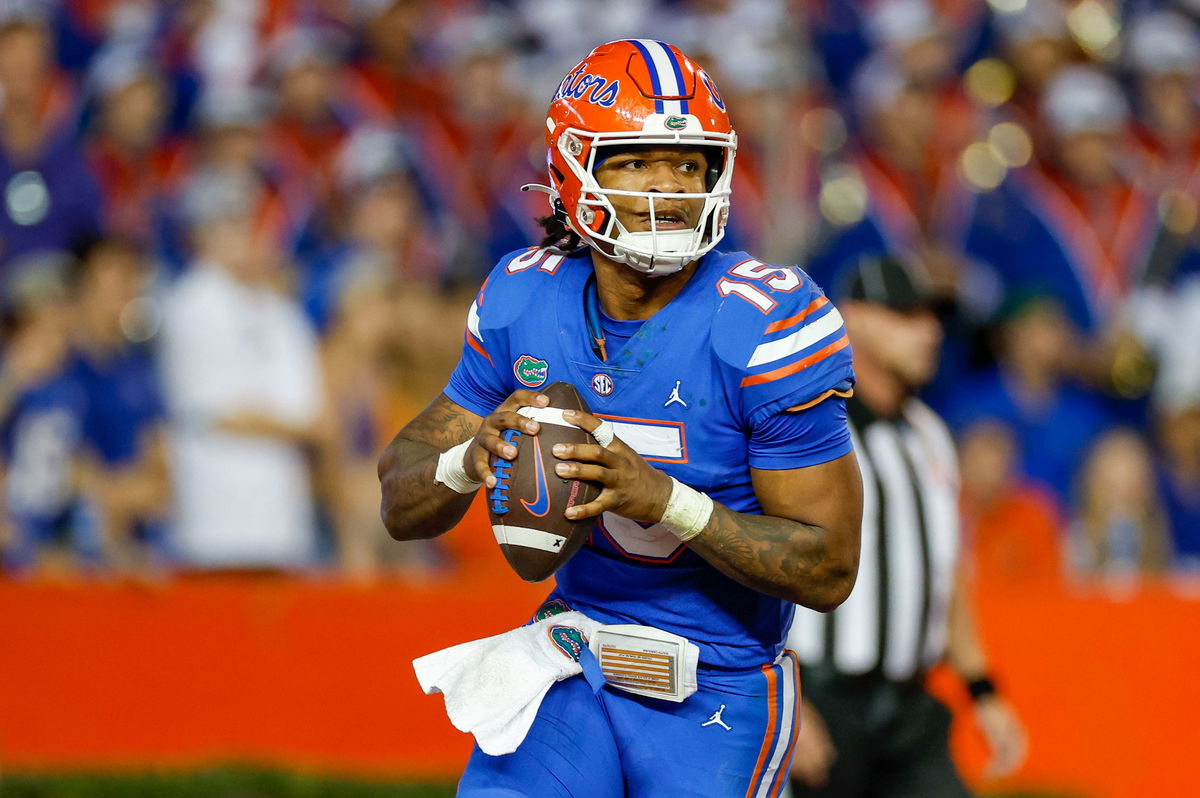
pixel 687 512
pixel 450 471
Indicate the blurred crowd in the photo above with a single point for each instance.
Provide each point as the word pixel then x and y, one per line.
pixel 238 239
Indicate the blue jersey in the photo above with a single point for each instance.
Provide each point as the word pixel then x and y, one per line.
pixel 39 440
pixel 124 402
pixel 698 390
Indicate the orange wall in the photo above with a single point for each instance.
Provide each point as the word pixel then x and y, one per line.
pixel 317 674
pixel 1109 688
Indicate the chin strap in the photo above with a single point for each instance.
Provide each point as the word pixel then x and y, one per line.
pixel 634 256
pixel 658 265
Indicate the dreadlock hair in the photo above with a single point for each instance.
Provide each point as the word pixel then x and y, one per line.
pixel 558 235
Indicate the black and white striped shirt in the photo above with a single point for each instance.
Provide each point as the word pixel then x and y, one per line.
pixel 895 620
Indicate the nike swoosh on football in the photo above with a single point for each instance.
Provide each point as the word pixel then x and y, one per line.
pixel 541 502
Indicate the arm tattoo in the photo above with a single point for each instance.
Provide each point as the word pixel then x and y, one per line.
pixel 777 556
pixel 414 506
pixel 441 425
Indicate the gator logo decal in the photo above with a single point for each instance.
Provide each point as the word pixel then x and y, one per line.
pixel 569 640
pixel 530 371
pixel 675 123
pixel 551 608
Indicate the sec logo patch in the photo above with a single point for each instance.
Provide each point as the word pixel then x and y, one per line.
pixel 602 384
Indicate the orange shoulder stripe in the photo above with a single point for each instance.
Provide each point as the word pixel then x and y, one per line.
pixel 799 365
pixel 791 321
pixel 478 347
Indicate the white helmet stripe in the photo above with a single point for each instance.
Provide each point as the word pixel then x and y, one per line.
pixel 662 64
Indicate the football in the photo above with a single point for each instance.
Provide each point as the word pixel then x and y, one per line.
pixel 526 505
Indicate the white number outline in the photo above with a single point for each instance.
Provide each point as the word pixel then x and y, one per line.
pixel 777 278
pixel 543 259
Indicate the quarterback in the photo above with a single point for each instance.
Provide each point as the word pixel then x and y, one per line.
pixel 730 487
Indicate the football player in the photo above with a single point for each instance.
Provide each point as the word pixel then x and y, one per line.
pixel 730 489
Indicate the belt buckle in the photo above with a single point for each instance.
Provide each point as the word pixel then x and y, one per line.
pixel 646 661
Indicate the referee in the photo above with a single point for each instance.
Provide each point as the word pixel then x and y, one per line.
pixel 869 727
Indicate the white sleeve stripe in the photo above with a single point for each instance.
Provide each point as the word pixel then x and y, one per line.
pixel 803 338
pixel 473 322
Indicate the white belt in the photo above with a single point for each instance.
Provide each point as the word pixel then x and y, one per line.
pixel 493 687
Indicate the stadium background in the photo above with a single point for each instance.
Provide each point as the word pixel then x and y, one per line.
pixel 357 163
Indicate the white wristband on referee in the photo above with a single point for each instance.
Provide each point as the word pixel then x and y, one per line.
pixel 687 512
pixel 450 471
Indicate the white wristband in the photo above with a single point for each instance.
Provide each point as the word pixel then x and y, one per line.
pixel 687 512
pixel 450 471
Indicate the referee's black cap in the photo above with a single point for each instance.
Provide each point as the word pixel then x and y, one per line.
pixel 885 280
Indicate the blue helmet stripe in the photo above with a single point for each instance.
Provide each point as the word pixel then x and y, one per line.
pixel 678 73
pixel 655 85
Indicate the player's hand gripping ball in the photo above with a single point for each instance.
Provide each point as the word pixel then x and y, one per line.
pixel 526 506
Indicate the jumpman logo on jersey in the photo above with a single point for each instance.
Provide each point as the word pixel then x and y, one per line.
pixel 716 718
pixel 675 396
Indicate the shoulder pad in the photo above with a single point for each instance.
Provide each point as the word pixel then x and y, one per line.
pixel 779 337
pixel 759 304
pixel 510 287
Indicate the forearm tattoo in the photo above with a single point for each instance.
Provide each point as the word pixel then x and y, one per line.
pixel 414 506
pixel 440 425
pixel 776 556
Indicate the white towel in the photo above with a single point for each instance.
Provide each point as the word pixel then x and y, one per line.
pixel 494 686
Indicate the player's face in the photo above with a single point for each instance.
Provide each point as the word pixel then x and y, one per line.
pixel 666 171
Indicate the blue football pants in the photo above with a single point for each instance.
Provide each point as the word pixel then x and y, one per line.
pixel 730 739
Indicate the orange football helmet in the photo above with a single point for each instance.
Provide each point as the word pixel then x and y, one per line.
pixel 637 92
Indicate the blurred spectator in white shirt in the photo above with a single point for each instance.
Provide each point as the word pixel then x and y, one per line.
pixel 242 384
